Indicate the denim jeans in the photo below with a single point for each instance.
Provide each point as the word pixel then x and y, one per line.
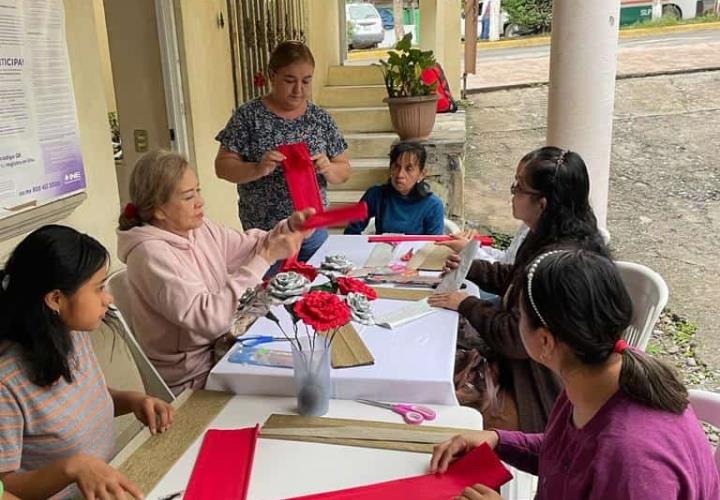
pixel 485 25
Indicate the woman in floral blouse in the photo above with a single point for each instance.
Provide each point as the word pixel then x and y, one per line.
pixel 248 153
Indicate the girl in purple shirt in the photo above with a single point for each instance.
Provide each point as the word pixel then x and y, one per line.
pixel 622 428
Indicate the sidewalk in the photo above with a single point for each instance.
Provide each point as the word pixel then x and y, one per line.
pixel 513 72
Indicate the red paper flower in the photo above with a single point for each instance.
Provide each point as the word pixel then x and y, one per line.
pixel 323 311
pixel 347 285
pixel 301 268
pixel 259 80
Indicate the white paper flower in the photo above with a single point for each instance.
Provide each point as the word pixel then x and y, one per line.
pixel 288 288
pixel 360 308
pixel 335 266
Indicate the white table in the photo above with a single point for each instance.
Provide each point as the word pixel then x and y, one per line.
pixel 284 469
pixel 413 363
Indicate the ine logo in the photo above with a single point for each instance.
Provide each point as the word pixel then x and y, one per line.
pixel 72 177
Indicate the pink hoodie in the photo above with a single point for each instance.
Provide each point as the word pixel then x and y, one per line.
pixel 184 292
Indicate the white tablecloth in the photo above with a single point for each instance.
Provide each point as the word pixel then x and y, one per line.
pixel 288 468
pixel 413 363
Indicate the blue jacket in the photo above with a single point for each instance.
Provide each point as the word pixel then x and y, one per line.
pixel 395 213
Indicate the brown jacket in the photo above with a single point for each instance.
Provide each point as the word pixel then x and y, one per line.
pixel 535 387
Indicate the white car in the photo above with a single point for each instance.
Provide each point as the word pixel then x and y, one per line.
pixel 365 27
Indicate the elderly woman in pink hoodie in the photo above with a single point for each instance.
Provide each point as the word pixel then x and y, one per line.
pixel 185 272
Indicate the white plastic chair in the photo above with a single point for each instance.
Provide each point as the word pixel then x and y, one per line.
pixel 450 227
pixel 120 290
pixel 649 294
pixel 707 408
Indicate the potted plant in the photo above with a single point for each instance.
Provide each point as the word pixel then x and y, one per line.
pixel 412 103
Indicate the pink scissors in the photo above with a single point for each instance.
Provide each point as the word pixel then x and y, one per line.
pixel 413 414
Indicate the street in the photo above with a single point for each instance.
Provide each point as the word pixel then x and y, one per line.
pixel 656 54
pixel 664 201
pixel 656 41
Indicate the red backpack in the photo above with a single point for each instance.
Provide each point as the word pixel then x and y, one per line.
pixel 446 103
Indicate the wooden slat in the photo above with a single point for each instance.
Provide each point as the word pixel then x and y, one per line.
pixel 195 411
pixel 361 433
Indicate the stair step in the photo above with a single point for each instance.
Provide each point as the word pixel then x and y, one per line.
pixel 354 75
pixel 370 145
pixel 337 198
pixel 362 119
pixel 366 172
pixel 352 96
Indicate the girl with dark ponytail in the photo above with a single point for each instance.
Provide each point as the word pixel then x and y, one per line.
pixel 56 413
pixel 622 428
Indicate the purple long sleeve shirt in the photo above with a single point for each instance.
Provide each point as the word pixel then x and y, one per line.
pixel 626 451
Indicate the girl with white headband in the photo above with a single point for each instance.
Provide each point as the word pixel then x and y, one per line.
pixel 622 428
pixel 551 196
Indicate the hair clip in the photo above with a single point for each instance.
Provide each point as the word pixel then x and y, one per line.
pixel 531 274
pixel 561 158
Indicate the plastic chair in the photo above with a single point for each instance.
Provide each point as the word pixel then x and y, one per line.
pixel 707 408
pixel 120 290
pixel 649 294
pixel 450 227
pixel 121 309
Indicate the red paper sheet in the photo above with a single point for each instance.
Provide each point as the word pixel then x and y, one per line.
pixel 336 216
pixel 301 177
pixel 399 238
pixel 479 466
pixel 223 466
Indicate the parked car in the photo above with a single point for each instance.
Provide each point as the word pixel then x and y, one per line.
pixel 365 26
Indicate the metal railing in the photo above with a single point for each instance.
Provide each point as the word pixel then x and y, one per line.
pixel 256 27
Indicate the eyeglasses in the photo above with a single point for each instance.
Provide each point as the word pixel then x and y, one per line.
pixel 516 189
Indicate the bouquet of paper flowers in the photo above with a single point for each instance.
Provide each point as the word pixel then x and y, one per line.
pixel 317 311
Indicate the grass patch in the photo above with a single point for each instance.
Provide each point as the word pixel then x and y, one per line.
pixel 672 21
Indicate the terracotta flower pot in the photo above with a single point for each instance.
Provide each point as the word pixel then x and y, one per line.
pixel 413 117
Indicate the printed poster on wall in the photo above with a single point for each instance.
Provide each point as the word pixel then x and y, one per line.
pixel 40 158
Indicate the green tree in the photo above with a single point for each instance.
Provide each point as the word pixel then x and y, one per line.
pixel 529 14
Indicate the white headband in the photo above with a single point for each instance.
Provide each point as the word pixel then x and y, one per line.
pixel 531 273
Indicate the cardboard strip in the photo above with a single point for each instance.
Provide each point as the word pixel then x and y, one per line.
pixel 359 433
pixel 411 294
pixel 195 411
pixel 430 257
pixel 224 465
pixel 481 465
pixel 349 349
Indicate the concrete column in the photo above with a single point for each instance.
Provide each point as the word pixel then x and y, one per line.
pixel 495 20
pixel 439 32
pixel 657 9
pixel 583 64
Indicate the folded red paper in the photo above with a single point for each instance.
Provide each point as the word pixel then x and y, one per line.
pixel 483 239
pixel 301 177
pixel 337 216
pixel 479 466
pixel 223 466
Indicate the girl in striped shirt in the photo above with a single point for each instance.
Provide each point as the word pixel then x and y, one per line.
pixel 56 412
